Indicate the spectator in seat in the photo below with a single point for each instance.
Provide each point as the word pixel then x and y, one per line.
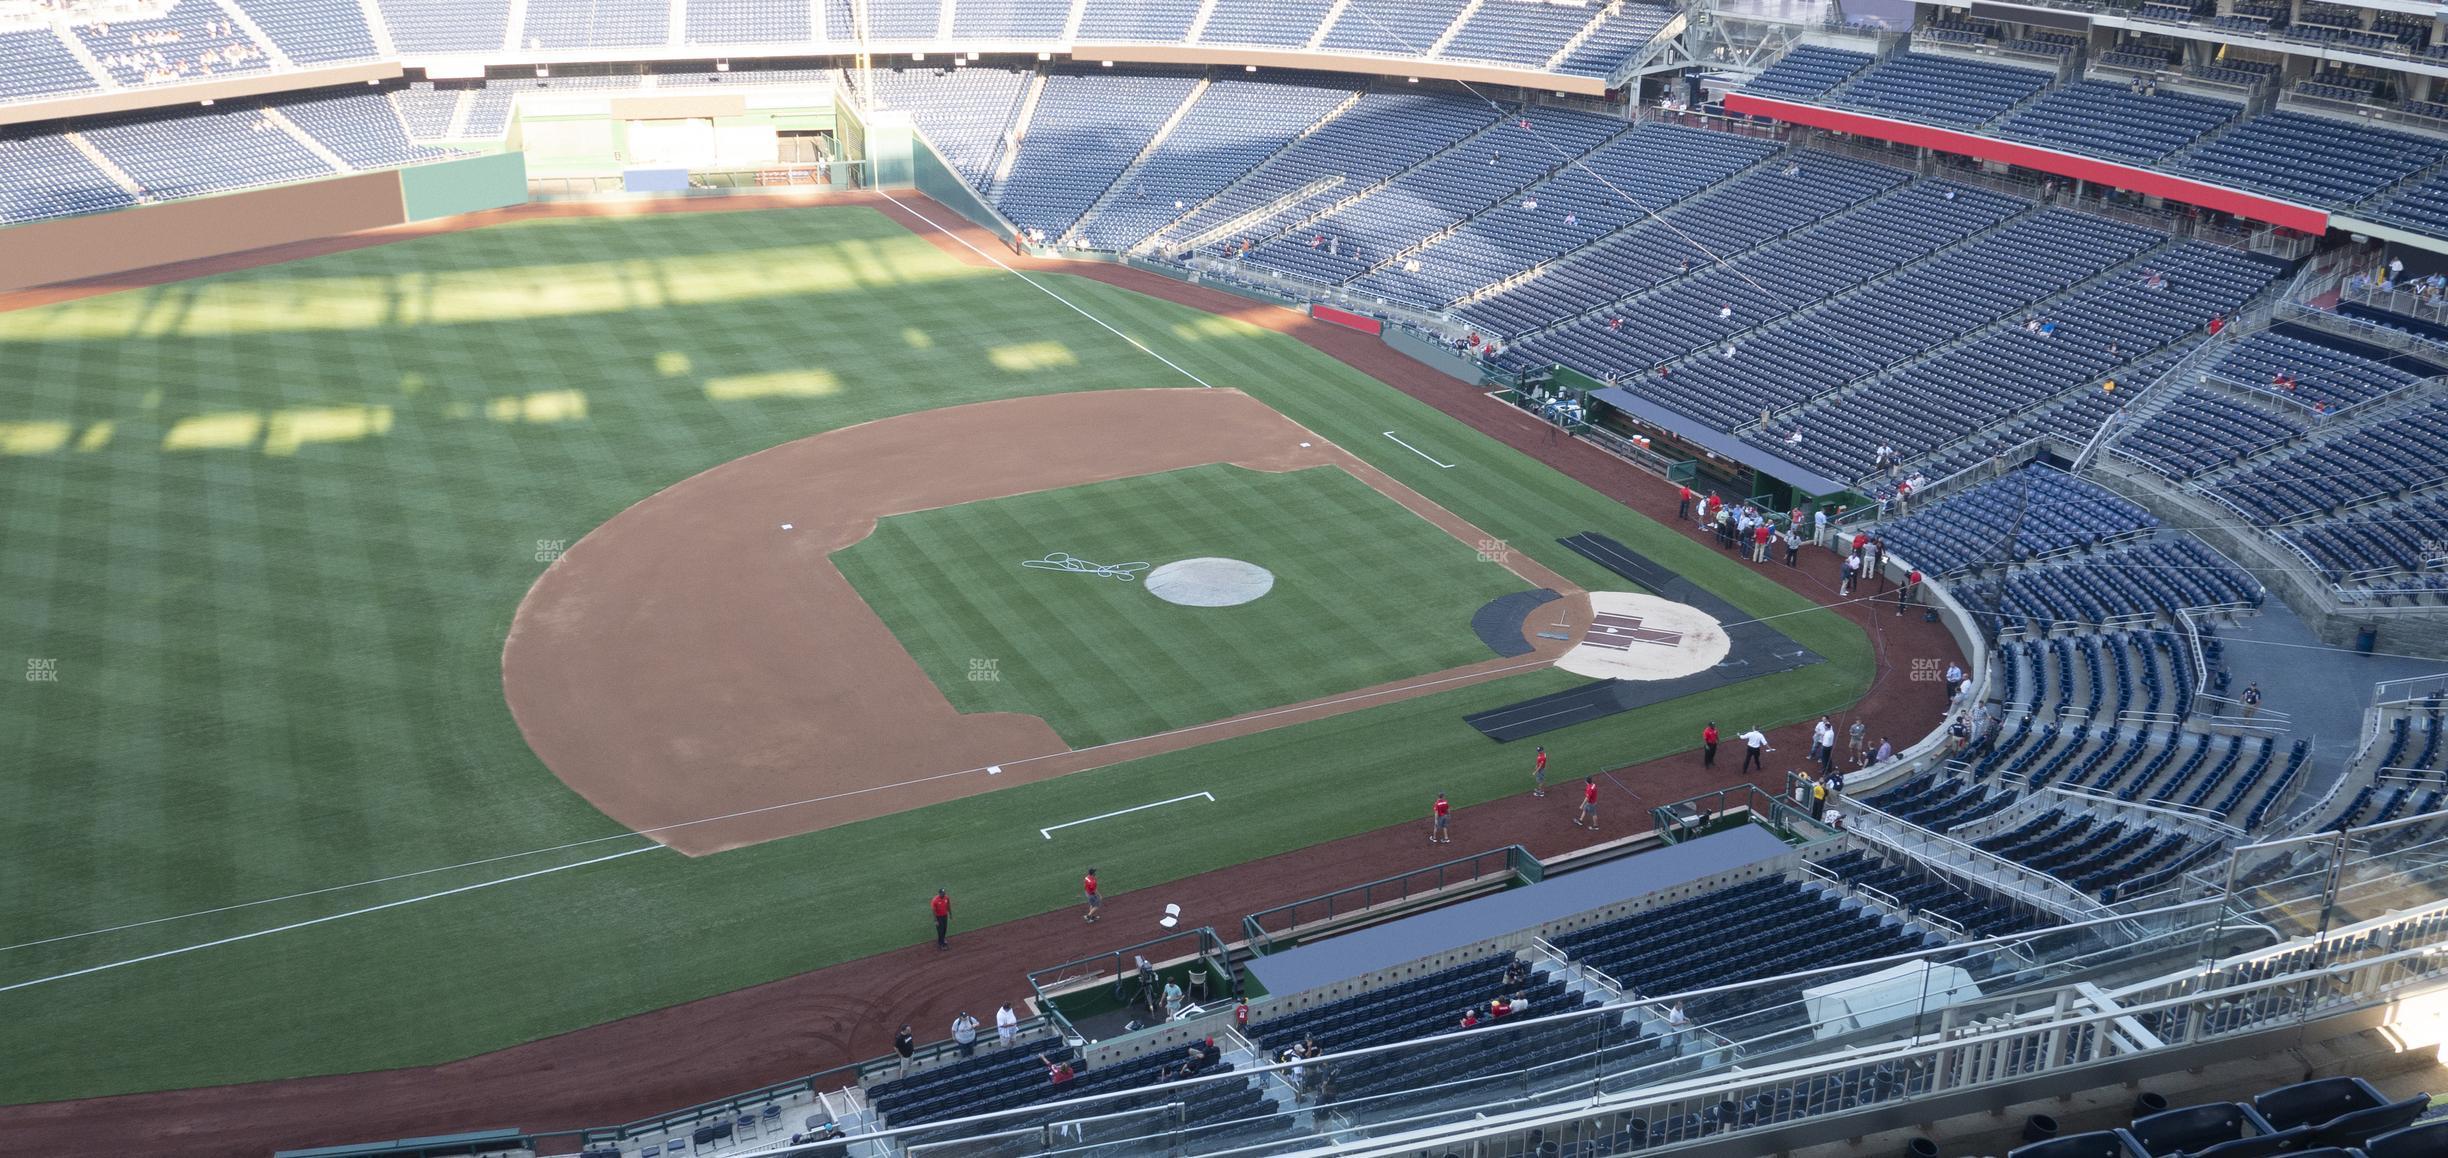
pixel 1470 1017
pixel 1886 752
pixel 1500 1008
pixel 1057 1072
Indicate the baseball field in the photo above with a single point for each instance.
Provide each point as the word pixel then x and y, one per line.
pixel 370 604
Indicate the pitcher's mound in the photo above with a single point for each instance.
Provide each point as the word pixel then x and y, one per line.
pixel 1209 582
pixel 1643 637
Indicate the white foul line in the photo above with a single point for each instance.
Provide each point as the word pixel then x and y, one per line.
pixel 1415 450
pixel 1047 292
pixel 317 921
pixel 1048 833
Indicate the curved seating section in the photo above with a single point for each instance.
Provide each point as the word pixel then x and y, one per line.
pixel 2203 430
pixel 2390 456
pixel 2034 512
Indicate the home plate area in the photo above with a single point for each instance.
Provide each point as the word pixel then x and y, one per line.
pixel 1644 649
pixel 1642 637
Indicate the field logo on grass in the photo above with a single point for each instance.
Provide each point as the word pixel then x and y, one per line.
pixel 985 671
pixel 1065 561
pixel 42 671
pixel 548 550
pixel 1495 551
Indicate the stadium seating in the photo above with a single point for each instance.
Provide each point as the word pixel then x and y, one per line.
pixel 1381 135
pixel 1009 19
pixel 2203 429
pixel 2111 120
pixel 1998 274
pixel 50 178
pixel 2313 160
pixel 1615 185
pixel 2098 333
pixel 1735 934
pixel 749 22
pixel 2390 549
pixel 2032 513
pixel 362 127
pixel 206 152
pixel 1230 127
pixel 313 32
pixel 2387 458
pixel 33 63
pixel 555 24
pixel 1423 201
pixel 1523 33
pixel 1621 32
pixel 1391 27
pixel 1941 90
pixel 963 112
pixel 1086 129
pixel 2323 373
pixel 191 40
pixel 1808 71
pixel 1146 21
pixel 441 27
pixel 1272 23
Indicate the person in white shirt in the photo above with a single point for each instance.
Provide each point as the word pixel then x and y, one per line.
pixel 1755 745
pixel 1007 1025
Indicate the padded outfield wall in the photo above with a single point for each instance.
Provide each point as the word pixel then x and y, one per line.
pixel 82 248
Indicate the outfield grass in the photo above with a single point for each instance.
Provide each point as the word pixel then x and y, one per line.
pixel 1365 593
pixel 272 526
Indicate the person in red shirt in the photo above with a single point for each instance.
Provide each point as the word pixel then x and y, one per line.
pixel 1909 590
pixel 1708 745
pixel 1470 1017
pixel 1759 541
pixel 1589 804
pixel 1683 502
pixel 1538 774
pixel 1095 900
pixel 1860 538
pixel 943 917
pixel 1057 1072
pixel 1438 833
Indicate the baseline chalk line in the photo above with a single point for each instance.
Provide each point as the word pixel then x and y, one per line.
pixel 1415 450
pixel 1048 833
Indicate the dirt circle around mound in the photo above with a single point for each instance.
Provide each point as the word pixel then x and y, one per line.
pixel 1634 636
pixel 699 669
pixel 1210 581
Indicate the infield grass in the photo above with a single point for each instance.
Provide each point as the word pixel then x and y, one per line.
pixel 272 526
pixel 1365 593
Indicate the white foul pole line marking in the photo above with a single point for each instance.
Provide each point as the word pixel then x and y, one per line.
pixel 1048 833
pixel 1415 450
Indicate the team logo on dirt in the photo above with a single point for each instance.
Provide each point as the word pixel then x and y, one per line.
pixel 1622 631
